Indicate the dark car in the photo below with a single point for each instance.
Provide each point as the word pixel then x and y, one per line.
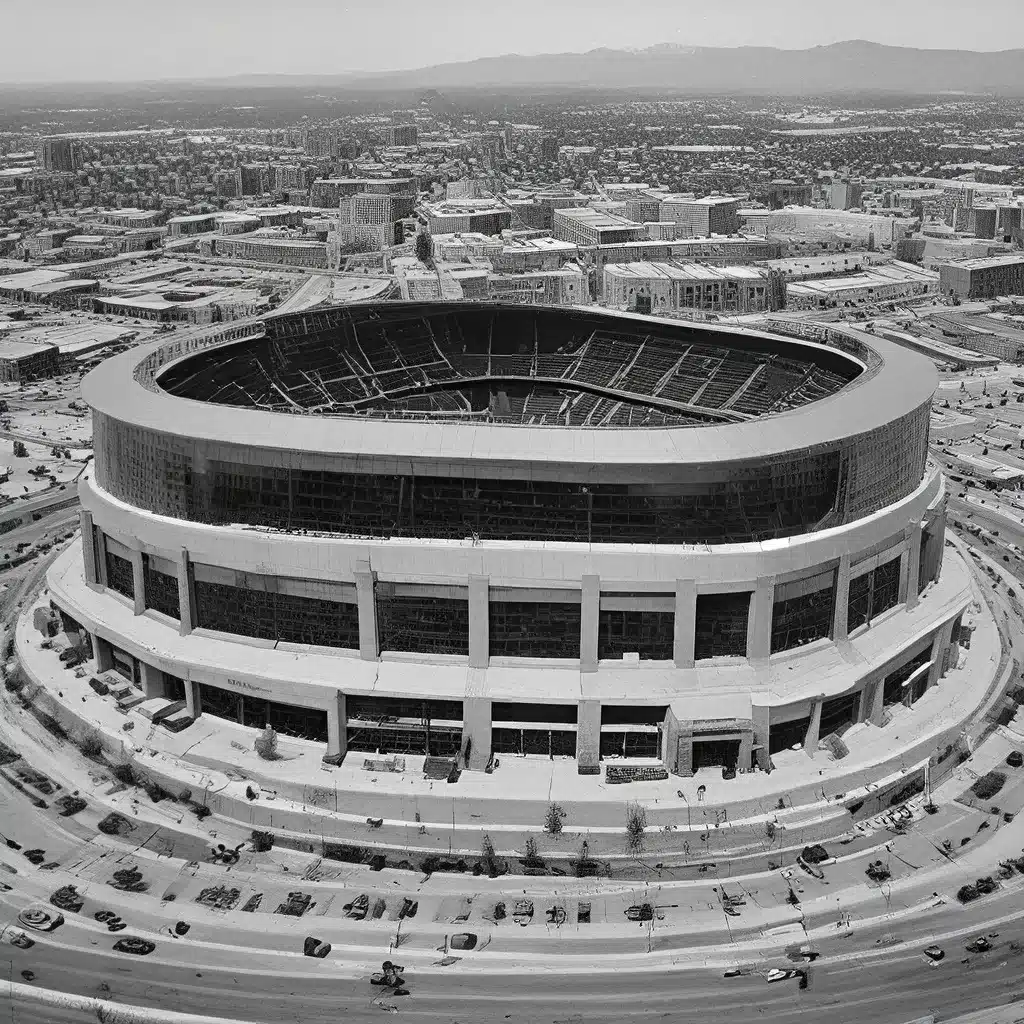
pixel 314 947
pixel 464 940
pixel 978 945
pixel 935 953
pixel 135 946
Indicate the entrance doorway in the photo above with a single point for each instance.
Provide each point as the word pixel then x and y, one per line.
pixel 715 753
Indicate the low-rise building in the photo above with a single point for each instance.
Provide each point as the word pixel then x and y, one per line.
pixel 486 216
pixel 887 283
pixel 587 226
pixel 983 278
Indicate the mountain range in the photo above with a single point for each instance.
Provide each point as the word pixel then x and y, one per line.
pixel 852 66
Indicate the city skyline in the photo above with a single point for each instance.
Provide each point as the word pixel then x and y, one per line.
pixel 107 41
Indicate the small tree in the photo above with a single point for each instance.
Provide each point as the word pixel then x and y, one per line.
pixel 553 819
pixel 636 824
pixel 491 862
pixel 20 451
pixel 266 744
pixel 531 858
pixel 424 251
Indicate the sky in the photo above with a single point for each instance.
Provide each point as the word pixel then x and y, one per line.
pixel 133 40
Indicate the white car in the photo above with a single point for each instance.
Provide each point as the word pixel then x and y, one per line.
pixel 42 919
pixel 777 974
pixel 16 937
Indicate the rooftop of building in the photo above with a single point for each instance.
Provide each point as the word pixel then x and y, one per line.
pixel 988 262
pixel 681 271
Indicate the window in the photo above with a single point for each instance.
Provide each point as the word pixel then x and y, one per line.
pixel 648 633
pixel 534 629
pixel 721 625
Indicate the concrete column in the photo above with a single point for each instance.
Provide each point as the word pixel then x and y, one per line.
pixel 367 602
pixel 104 659
pixel 904 571
pixel 913 538
pixel 186 620
pixel 746 748
pixel 760 714
pixel 877 702
pixel 589 617
pixel 759 619
pixel 940 645
pixel 479 626
pixel 152 680
pixel 101 558
pixel 192 705
pixel 588 734
pixel 138 581
pixel 685 623
pixel 476 731
pixel 337 730
pixel 88 547
pixel 811 738
pixel 841 617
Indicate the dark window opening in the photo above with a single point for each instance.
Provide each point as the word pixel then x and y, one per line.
pixel 174 687
pixel 839 713
pixel 630 744
pixel 508 711
pixel 787 734
pixel 721 625
pixel 543 742
pixel 161 590
pixel 802 619
pixel 649 634
pixel 873 592
pixel 715 753
pixel 528 629
pixel 893 692
pixel 426 625
pixel 258 713
pixel 632 714
pixel 120 576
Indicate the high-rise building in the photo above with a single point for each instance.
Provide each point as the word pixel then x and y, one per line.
pixel 713 215
pixel 402 135
pixel 63 155
pixel 253 179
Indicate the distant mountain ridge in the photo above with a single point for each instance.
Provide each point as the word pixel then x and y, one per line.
pixel 852 66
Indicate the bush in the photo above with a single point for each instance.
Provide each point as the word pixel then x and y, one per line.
pixel 430 864
pixel 967 893
pixel 262 841
pixel 584 866
pixel 15 680
pixel 156 792
pixel 988 785
pixel 90 743
pixel 266 744
pixel 20 451
pixel 636 824
pixel 201 811
pixel 531 858
pixel 814 854
pixel 124 773
pixel 553 819
pixel 492 864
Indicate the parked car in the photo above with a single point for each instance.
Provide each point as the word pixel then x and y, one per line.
pixel 778 974
pixel 135 946
pixel 935 953
pixel 16 937
pixel 40 918
pixel 463 940
pixel 314 947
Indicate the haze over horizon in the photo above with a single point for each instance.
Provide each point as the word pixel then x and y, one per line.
pixel 108 41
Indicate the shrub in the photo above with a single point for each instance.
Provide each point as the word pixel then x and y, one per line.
pixel 531 858
pixel 15 680
pixel 636 824
pixel 156 792
pixel 553 819
pixel 124 773
pixel 430 864
pixel 814 854
pixel 584 866
pixel 988 785
pixel 201 811
pixel 90 743
pixel 769 830
pixel 491 862
pixel 266 744
pixel 262 841
pixel 966 893
pixel 20 451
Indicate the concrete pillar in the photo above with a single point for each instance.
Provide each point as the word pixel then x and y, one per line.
pixel 152 680
pixel 104 659
pixel 192 705
pixel 138 581
pixel 760 714
pixel 841 616
pixel 811 737
pixel 367 602
pixel 904 571
pixel 759 619
pixel 877 702
pixel 588 734
pixel 746 747
pixel 186 619
pixel 476 732
pixel 685 623
pixel 101 558
pixel 589 617
pixel 912 535
pixel 337 730
pixel 88 547
pixel 940 645
pixel 479 626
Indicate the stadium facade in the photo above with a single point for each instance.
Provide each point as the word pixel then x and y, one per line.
pixel 475 529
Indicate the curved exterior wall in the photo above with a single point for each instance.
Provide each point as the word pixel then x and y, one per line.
pixel 616 647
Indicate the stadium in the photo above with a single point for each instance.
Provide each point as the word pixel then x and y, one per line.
pixel 468 530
